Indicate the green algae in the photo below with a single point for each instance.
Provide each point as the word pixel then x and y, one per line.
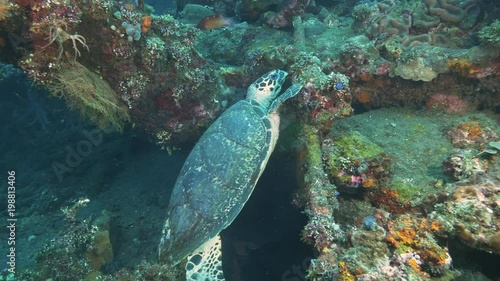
pixel 416 142
pixel 313 147
pixel 405 190
pixel 352 161
pixel 355 145
pixel 351 151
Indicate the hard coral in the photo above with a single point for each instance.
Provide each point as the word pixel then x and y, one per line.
pixel 455 11
pixel 470 216
pixel 321 231
pixel 325 96
pixel 415 235
pixel 491 33
pixel 368 247
pixel 416 70
pixel 463 167
pixel 470 134
pixel 390 269
pixel 467 68
pixel 421 23
pixel 463 67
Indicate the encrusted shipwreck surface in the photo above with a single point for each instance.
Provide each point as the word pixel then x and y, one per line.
pixel 393 210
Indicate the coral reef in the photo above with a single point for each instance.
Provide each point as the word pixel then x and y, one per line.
pixel 83 248
pixel 130 49
pixel 447 103
pixel 472 216
pixel 63 258
pixel 384 191
pixel 354 162
pixel 322 230
pixel 326 96
pixel 415 70
pixel 471 213
pixel 414 236
pixel 463 166
pixel 490 34
pixel 419 41
pixel 417 22
pixel 284 17
pixel 155 62
pixel 394 239
pixel 147 271
pixel 455 11
pixel 472 134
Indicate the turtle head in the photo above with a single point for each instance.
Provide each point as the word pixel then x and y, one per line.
pixel 265 89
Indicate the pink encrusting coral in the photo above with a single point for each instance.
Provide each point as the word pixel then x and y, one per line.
pixel 447 103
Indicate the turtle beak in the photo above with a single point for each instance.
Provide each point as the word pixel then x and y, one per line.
pixel 278 80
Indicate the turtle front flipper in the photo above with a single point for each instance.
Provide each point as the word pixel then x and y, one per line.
pixel 288 94
pixel 206 262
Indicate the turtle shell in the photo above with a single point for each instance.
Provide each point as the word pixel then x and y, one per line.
pixel 217 179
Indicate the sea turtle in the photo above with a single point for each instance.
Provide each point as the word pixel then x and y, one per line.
pixel 219 175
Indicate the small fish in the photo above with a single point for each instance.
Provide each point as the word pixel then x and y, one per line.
pixel 214 22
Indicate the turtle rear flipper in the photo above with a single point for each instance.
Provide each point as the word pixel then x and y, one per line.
pixel 206 262
pixel 289 93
